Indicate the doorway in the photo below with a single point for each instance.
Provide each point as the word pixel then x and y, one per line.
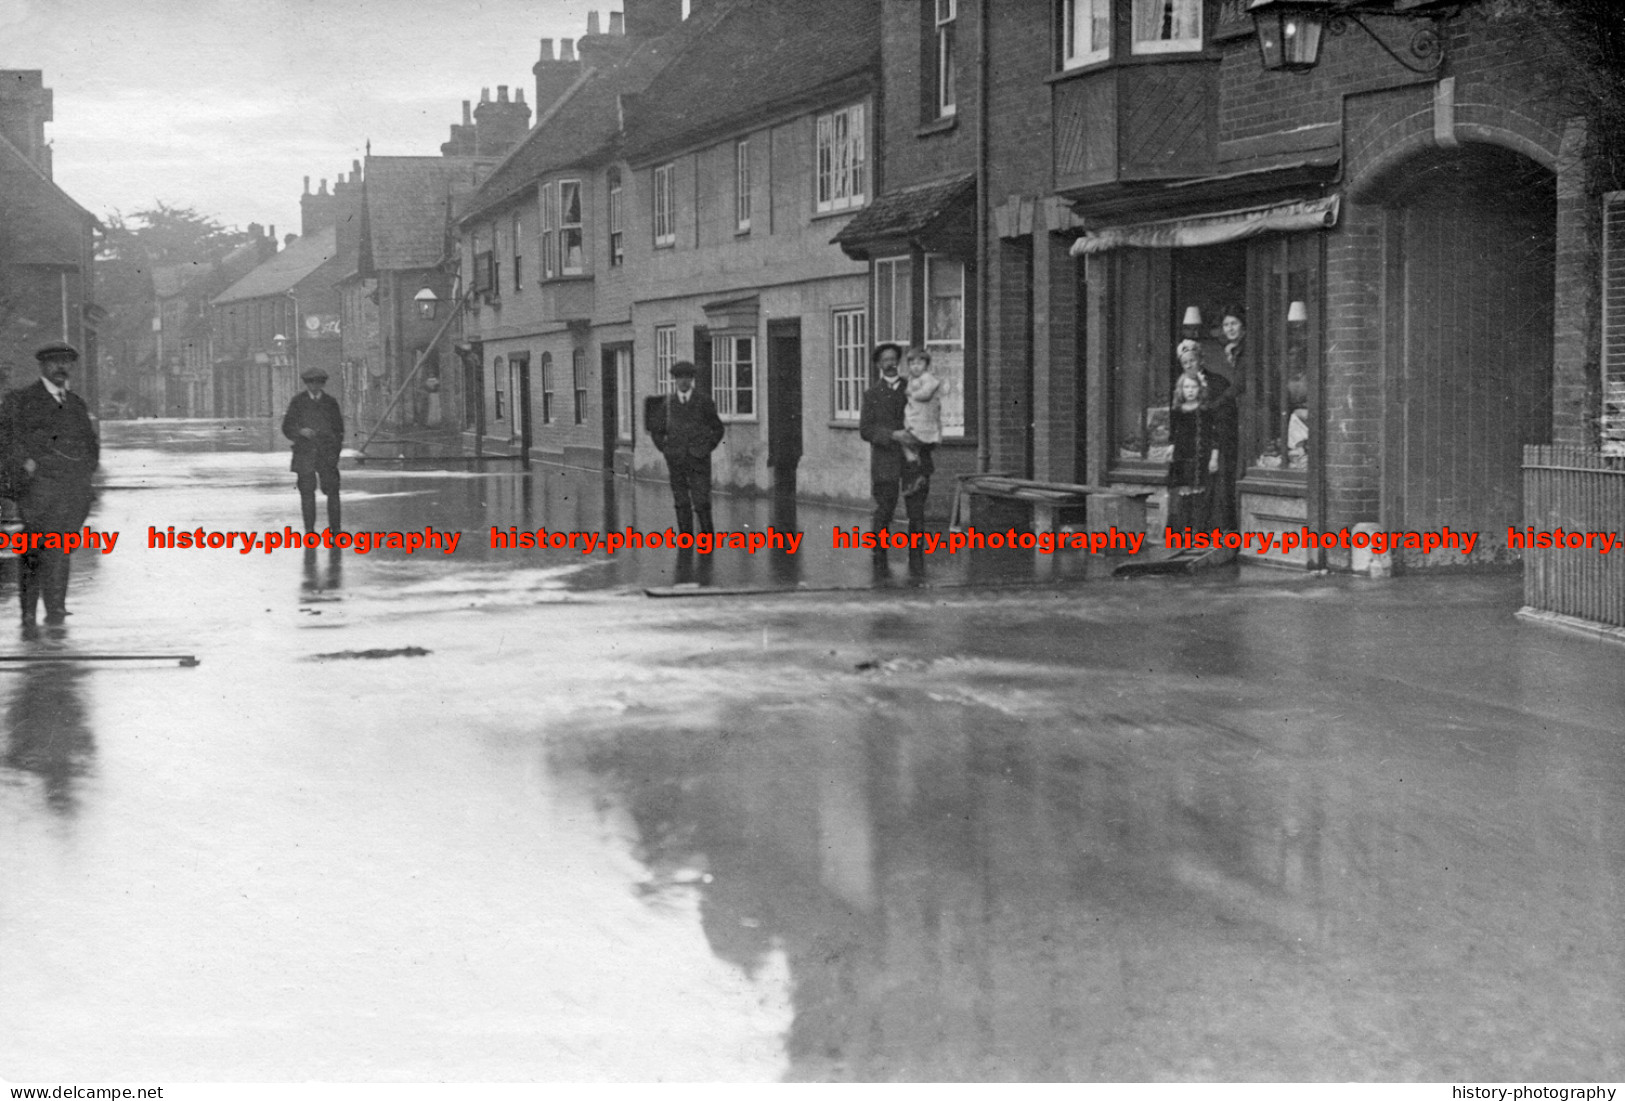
pixel 784 437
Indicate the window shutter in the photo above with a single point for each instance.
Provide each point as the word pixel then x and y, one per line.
pixel 1613 323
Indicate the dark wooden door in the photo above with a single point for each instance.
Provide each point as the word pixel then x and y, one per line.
pixel 520 365
pixel 702 359
pixel 1476 240
pixel 784 440
pixel 610 391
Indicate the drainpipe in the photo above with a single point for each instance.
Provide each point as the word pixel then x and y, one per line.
pixel 982 387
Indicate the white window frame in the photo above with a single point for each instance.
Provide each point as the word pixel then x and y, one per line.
pixel 617 234
pixel 1146 10
pixel 518 254
pixel 849 337
pixel 665 356
pixel 1084 13
pixel 901 313
pixel 948 354
pixel 664 198
pixel 742 185
pixel 726 389
pixel 841 162
pixel 567 227
pixel 947 14
pixel 499 369
pixel 549 231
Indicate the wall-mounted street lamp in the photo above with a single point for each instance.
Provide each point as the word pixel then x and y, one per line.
pixel 427 302
pixel 279 351
pixel 1290 31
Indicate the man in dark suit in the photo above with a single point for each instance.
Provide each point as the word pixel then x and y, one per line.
pixel 880 423
pixel 686 429
pixel 51 452
pixel 315 424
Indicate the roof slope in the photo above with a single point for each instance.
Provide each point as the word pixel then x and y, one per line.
pixel 760 56
pixel 585 125
pixel 283 271
pixel 406 206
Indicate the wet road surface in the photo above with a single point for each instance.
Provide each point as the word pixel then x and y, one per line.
pixel 1266 827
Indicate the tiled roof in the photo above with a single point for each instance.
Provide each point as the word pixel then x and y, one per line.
pixel 760 55
pixel 283 271
pixel 907 212
pixel 586 124
pixel 406 201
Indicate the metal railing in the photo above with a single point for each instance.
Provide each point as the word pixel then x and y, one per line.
pixel 1580 492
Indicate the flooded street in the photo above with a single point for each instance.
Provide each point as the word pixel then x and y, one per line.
pixel 501 816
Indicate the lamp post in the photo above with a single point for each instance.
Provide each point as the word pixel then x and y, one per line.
pixel 1290 31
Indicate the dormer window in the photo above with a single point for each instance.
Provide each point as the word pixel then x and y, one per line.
pixel 1167 26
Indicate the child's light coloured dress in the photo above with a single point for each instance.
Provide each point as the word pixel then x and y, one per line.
pixel 923 414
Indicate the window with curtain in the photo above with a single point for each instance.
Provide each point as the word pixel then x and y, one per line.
pixel 894 308
pixel 571 258
pixel 1167 26
pixel 1086 33
pixel 842 159
pixel 945 336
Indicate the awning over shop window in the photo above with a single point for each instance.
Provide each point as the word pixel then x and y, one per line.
pixel 1213 229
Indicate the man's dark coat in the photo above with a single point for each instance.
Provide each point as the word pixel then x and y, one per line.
pixel 882 414
pixel 61 440
pixel 322 414
pixel 684 430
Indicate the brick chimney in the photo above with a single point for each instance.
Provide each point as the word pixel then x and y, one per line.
pixel 347 211
pixel 553 78
pixel 461 143
pixel 599 50
pixel 316 211
pixel 651 18
pixel 499 124
pixel 25 108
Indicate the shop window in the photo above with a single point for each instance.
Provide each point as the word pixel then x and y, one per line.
pixel 665 356
pixel 842 160
pixel 1167 26
pixel 851 342
pixel 1086 32
pixel 1277 353
pixel 733 376
pixel 945 336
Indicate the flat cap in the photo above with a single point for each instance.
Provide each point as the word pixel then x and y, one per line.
pixel 313 374
pixel 57 349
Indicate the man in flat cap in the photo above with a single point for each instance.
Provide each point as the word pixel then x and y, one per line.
pixel 51 451
pixel 315 424
pixel 686 429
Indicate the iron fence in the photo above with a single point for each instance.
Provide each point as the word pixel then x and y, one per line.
pixel 1579 492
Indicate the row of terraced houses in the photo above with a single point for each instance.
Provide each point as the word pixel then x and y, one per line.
pixel 1049 195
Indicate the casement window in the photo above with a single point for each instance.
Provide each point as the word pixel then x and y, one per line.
pixel 499 388
pixel 496 261
pixel 518 364
pixel 623 394
pixel 571 256
pixel 850 339
pixel 1086 32
pixel 733 376
pixel 578 376
pixel 665 208
pixel 742 185
pixel 947 14
pixel 518 252
pixel 550 232
pixel 665 356
pixel 842 160
pixel 617 235
pixel 945 336
pixel 1167 26
pixel 547 387
pixel 894 307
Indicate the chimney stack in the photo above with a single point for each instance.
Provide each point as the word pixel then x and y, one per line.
pixel 617 23
pixel 499 124
pixel 554 77
pixel 651 18
pixel 25 108
pixel 599 50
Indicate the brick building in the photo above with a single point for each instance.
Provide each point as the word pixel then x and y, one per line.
pixel 47 243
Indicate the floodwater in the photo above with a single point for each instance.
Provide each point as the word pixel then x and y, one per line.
pixel 500 816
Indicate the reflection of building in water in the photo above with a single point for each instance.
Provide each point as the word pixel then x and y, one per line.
pixel 47 735
pixel 961 895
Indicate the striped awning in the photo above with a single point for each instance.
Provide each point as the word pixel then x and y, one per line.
pixel 1213 229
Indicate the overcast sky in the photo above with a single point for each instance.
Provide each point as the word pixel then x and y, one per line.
pixel 226 105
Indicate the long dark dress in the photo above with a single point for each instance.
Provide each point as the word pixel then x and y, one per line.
pixel 1192 434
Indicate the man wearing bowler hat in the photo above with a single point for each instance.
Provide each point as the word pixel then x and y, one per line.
pixel 315 424
pixel 686 429
pixel 51 451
